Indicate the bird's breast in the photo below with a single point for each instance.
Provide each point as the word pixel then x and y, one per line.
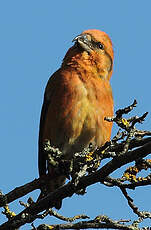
pixel 76 112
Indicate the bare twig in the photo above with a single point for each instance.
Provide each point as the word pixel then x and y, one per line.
pixel 130 202
pixel 52 212
pixel 100 222
pixel 110 182
pixel 141 214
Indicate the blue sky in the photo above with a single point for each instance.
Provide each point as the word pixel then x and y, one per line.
pixel 34 37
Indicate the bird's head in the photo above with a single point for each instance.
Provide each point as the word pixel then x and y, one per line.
pixel 94 40
pixel 97 46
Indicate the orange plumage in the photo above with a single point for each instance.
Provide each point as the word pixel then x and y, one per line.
pixel 77 98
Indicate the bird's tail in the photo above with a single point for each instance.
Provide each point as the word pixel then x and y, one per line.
pixel 52 185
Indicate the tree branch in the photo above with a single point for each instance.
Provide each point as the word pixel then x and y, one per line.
pixel 100 222
pixel 29 214
pixel 37 183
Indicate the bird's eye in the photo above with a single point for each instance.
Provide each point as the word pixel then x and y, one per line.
pixel 100 45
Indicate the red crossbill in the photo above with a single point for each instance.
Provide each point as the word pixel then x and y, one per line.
pixel 77 98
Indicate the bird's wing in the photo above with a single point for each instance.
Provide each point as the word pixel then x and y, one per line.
pixel 45 106
pixel 41 156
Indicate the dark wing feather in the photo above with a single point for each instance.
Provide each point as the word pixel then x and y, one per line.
pixel 41 155
pixel 50 88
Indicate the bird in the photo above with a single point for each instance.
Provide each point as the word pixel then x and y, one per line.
pixel 77 98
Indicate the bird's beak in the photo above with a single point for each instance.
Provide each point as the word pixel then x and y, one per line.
pixel 83 41
pixel 81 37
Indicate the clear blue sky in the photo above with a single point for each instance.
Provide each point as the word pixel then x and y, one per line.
pixel 34 37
